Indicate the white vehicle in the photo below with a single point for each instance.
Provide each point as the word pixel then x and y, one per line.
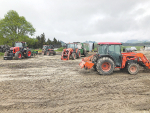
pixel 133 49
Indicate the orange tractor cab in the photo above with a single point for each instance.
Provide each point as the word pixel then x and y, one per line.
pixel 48 50
pixel 71 52
pixel 109 57
pixel 18 51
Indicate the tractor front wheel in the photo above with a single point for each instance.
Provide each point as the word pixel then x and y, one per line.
pixel 28 54
pixel 73 56
pixel 105 66
pixel 48 53
pixel 78 54
pixel 18 55
pixel 133 68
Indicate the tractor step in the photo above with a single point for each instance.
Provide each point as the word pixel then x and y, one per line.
pixel 8 58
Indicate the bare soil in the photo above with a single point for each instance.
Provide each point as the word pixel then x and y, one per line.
pixel 46 84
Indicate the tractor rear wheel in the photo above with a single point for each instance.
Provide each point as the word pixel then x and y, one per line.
pixel 78 54
pixel 85 53
pixel 73 56
pixel 133 68
pixel 54 53
pixel 105 66
pixel 28 54
pixel 18 55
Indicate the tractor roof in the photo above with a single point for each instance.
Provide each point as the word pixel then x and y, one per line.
pixel 109 43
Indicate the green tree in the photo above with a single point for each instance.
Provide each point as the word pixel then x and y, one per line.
pixel 15 28
pixel 49 42
pixel 54 41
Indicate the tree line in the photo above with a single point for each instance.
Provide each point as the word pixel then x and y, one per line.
pixel 16 28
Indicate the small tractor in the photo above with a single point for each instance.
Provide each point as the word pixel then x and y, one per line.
pixel 109 57
pixel 71 52
pixel 18 51
pixel 48 50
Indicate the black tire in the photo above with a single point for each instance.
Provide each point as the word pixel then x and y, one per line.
pixel 28 53
pixel 79 54
pixel 105 66
pixel 73 55
pixel 133 68
pixel 85 53
pixel 48 53
pixel 43 52
pixel 54 53
pixel 94 60
pixel 18 55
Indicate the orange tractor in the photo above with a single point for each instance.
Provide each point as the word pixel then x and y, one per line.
pixel 71 52
pixel 18 51
pixel 109 57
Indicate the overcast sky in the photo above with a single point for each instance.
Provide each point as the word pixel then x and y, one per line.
pixel 81 20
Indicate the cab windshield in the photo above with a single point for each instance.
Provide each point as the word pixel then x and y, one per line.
pixel 70 46
pixel 44 47
pixel 18 45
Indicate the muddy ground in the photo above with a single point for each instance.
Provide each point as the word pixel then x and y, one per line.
pixel 45 84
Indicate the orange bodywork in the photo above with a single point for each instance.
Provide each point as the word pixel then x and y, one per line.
pixel 87 62
pixel 139 57
pixel 66 54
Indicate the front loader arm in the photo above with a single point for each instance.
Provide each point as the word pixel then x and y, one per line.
pixel 143 58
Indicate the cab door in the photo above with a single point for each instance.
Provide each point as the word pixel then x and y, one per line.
pixel 115 52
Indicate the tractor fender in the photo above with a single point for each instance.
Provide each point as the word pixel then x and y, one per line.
pixel 101 56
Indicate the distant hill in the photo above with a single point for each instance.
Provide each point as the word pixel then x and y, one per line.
pixel 136 41
pixel 89 42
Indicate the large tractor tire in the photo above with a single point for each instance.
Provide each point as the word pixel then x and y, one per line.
pixel 54 53
pixel 94 60
pixel 18 55
pixel 78 54
pixel 85 53
pixel 48 53
pixel 43 52
pixel 105 66
pixel 28 54
pixel 133 68
pixel 73 55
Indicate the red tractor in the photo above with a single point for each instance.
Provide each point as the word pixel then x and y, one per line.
pixel 18 51
pixel 48 50
pixel 109 57
pixel 71 52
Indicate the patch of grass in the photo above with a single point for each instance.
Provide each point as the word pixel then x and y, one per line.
pixel 1 54
pixel 60 49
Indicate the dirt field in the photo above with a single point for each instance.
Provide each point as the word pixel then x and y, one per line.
pixel 45 84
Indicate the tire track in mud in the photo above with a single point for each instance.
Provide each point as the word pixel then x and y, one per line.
pixel 53 85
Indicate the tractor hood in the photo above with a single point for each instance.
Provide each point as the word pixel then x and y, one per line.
pixel 68 49
pixel 12 48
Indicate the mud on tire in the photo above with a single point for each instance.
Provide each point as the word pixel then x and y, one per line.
pixel 18 55
pixel 133 68
pixel 73 55
pixel 105 66
pixel 54 53
pixel 78 54
pixel 28 54
pixel 48 53
pixel 94 60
